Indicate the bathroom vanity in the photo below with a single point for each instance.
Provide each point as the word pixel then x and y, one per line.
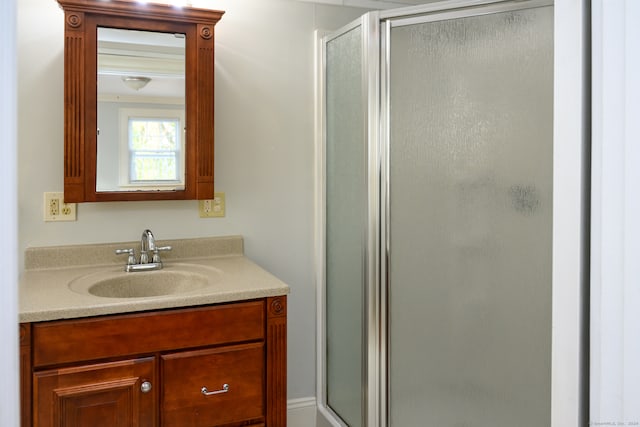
pixel 213 355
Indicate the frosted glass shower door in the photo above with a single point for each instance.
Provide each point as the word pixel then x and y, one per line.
pixel 469 219
pixel 345 224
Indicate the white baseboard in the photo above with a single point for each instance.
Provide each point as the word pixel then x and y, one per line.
pixel 301 412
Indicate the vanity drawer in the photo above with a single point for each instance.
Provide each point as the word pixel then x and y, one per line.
pixel 184 374
pixel 76 340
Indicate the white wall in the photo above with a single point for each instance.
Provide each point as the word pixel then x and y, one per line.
pixel 615 238
pixel 264 150
pixel 9 394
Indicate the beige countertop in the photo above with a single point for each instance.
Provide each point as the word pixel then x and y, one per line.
pixel 49 291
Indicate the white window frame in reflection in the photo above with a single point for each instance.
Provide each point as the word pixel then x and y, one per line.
pixel 128 155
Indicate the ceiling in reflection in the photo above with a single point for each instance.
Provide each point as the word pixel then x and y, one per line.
pixel 127 54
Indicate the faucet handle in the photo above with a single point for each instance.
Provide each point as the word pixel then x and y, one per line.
pixel 156 252
pixel 131 260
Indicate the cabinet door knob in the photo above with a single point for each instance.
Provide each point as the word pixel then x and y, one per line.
pixel 225 389
pixel 145 387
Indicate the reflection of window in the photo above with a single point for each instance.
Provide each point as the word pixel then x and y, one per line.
pixel 152 148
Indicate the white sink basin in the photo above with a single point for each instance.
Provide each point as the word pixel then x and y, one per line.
pixel 171 280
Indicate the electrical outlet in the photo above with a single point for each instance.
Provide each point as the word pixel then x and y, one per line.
pixel 55 209
pixel 213 208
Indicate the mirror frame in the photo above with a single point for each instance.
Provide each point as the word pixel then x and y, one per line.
pixel 82 18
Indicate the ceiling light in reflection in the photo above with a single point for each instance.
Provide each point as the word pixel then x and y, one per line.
pixel 135 82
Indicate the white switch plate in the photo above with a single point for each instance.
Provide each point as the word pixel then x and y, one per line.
pixel 212 208
pixel 55 209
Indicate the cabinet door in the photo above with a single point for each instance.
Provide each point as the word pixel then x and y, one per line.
pixel 184 374
pixel 99 395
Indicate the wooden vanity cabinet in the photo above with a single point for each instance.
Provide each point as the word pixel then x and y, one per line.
pixel 241 368
pixel 97 395
pixel 218 365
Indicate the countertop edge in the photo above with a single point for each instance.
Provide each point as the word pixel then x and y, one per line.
pixel 150 304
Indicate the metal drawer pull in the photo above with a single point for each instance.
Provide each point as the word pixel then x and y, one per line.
pixel 225 389
pixel 145 387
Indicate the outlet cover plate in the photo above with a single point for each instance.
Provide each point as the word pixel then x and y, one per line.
pixel 213 208
pixel 56 210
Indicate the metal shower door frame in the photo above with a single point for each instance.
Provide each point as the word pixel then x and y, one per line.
pixel 569 392
pixel 370 318
pixel 446 10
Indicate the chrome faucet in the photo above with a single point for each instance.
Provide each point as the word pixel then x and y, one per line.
pixel 147 245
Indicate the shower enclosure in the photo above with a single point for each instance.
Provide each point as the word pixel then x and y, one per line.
pixel 437 202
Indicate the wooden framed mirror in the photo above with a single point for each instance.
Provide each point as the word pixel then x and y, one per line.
pixel 138 101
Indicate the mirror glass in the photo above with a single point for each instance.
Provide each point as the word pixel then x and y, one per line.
pixel 140 110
